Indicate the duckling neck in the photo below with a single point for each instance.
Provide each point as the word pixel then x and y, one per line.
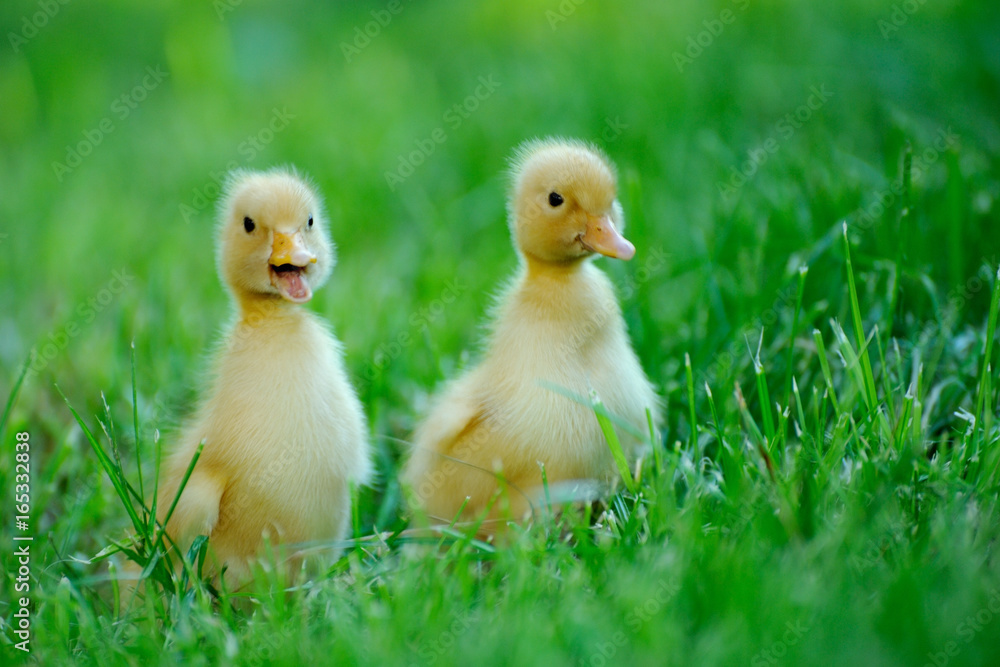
pixel 565 290
pixel 553 273
pixel 253 309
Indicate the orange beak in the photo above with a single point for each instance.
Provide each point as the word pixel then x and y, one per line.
pixel 289 250
pixel 601 236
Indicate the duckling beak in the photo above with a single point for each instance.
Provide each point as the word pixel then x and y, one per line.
pixel 289 258
pixel 601 236
pixel 289 250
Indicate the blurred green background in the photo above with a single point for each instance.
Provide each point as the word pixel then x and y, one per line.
pixel 256 84
pixel 562 69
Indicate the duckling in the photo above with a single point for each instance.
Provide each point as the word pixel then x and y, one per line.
pixel 557 323
pixel 284 432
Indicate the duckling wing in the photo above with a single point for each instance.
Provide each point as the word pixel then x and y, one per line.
pixel 454 414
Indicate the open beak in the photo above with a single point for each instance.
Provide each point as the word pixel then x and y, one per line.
pixel 289 258
pixel 601 236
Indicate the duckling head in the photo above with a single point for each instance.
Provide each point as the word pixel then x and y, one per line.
pixel 563 203
pixel 272 236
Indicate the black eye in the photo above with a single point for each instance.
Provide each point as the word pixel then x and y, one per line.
pixel 555 199
pixel 310 221
pixel 248 224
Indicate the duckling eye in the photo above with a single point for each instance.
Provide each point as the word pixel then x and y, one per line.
pixel 555 199
pixel 248 224
pixel 310 221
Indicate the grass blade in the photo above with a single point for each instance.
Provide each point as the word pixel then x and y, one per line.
pixel 991 328
pixel 825 366
pixel 762 392
pixel 608 429
pixel 135 426
pixel 13 394
pixel 691 414
pixel 803 270
pixel 114 473
pixel 180 490
pixel 866 365
pixel 657 454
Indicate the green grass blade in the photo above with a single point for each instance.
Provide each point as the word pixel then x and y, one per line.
pixel 793 334
pixel 689 376
pixel 715 417
pixel 114 473
pixel 824 363
pixel 545 489
pixel 156 484
pixel 177 496
pixel 13 394
pixel 886 389
pixel 355 515
pixel 991 327
pixel 608 429
pixel 866 366
pixel 626 426
pixel 741 403
pixel 799 410
pixel 984 416
pixel 657 453
pixel 135 427
pixel 765 396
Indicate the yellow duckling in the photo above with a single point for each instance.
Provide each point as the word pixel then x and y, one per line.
pixel 284 432
pixel 558 323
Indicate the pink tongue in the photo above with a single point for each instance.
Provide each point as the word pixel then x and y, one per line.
pixel 293 286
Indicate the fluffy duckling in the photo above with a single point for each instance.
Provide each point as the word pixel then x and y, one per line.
pixel 284 432
pixel 557 323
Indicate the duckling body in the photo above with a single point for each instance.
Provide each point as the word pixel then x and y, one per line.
pixel 558 323
pixel 284 432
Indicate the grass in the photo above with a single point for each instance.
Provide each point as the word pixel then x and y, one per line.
pixel 824 487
